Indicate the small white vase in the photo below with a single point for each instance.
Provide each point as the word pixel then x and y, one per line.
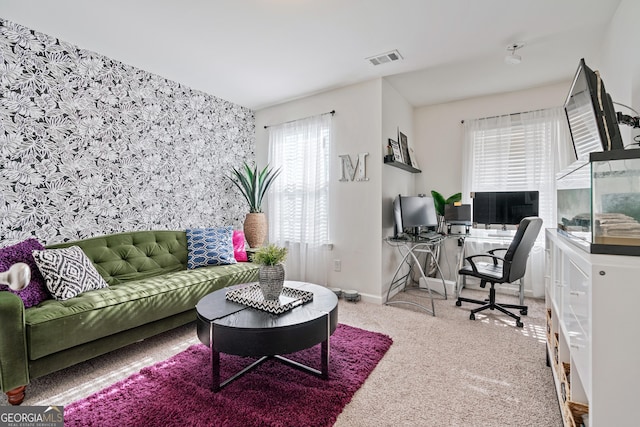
pixel 271 280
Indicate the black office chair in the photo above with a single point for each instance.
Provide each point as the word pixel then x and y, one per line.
pixel 503 270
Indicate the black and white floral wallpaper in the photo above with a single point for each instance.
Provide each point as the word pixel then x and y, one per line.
pixel 91 146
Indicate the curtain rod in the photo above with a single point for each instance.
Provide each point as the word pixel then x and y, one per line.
pixel 332 112
pixel 512 114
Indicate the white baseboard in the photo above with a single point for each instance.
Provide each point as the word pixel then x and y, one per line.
pixel 376 299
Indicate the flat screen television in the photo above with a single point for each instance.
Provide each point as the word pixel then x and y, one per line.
pixel 414 212
pixel 504 207
pixel 590 113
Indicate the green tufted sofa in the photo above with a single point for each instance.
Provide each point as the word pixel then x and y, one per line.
pixel 150 291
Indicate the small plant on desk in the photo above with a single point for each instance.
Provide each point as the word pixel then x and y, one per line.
pixel 441 202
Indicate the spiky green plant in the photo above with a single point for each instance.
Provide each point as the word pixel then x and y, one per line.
pixel 440 202
pixel 253 185
pixel 270 255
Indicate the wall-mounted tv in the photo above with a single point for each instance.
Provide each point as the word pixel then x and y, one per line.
pixel 504 207
pixel 591 115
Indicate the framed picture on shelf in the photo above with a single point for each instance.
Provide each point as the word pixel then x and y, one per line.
pixel 395 147
pixel 404 148
pixel 414 159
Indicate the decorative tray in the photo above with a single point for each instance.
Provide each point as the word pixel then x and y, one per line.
pixel 251 296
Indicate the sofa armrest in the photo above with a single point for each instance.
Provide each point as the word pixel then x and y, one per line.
pixel 14 364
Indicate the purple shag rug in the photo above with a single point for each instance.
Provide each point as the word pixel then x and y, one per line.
pixel 177 392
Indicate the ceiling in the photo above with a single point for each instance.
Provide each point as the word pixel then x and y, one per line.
pixel 259 53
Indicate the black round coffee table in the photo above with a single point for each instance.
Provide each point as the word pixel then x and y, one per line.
pixel 233 328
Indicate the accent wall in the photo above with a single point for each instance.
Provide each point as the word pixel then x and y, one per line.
pixel 92 146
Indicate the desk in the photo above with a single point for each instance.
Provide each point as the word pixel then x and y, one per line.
pixel 411 250
pixel 478 237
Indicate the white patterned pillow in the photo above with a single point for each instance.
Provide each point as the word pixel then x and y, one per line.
pixel 68 272
pixel 209 246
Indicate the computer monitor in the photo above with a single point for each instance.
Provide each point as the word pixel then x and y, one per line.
pixel 460 214
pixel 504 207
pixel 457 215
pixel 414 212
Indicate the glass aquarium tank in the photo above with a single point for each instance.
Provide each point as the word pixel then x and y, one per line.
pixel 598 202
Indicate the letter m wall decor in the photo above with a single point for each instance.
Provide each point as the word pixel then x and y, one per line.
pixel 348 171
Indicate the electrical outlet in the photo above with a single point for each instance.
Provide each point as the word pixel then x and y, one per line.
pixel 337 265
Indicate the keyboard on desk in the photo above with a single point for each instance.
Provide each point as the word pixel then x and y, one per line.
pixel 431 236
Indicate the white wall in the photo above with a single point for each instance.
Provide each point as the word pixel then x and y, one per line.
pixel 620 68
pixel 397 113
pixel 367 115
pixel 355 213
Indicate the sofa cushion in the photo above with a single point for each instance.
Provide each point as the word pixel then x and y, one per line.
pixel 210 246
pixel 36 291
pixel 67 272
pixel 96 314
pixel 135 255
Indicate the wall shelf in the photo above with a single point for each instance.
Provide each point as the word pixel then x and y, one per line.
pixel 401 165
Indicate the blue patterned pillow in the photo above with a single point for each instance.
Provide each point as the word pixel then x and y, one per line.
pixel 209 246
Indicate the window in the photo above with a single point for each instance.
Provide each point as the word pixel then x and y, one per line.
pixel 519 152
pixel 298 205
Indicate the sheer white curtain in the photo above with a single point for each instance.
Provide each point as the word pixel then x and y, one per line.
pixel 298 208
pixel 519 152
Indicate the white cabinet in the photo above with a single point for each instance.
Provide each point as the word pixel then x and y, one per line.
pixel 593 338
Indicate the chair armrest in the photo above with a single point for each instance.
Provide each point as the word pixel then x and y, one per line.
pixel 473 264
pixel 492 251
pixel 14 363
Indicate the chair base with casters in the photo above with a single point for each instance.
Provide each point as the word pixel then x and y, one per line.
pixel 491 304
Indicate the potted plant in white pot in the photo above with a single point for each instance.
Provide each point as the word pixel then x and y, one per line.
pixel 271 273
pixel 253 186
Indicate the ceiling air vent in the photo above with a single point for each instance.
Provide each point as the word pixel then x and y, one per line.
pixel 383 58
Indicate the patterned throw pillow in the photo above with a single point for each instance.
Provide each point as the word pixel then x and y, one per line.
pixel 209 246
pixel 68 272
pixel 36 291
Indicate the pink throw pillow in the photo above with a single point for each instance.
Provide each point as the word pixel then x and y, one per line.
pixel 239 252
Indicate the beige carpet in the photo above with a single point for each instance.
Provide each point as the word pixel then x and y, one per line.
pixel 441 371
